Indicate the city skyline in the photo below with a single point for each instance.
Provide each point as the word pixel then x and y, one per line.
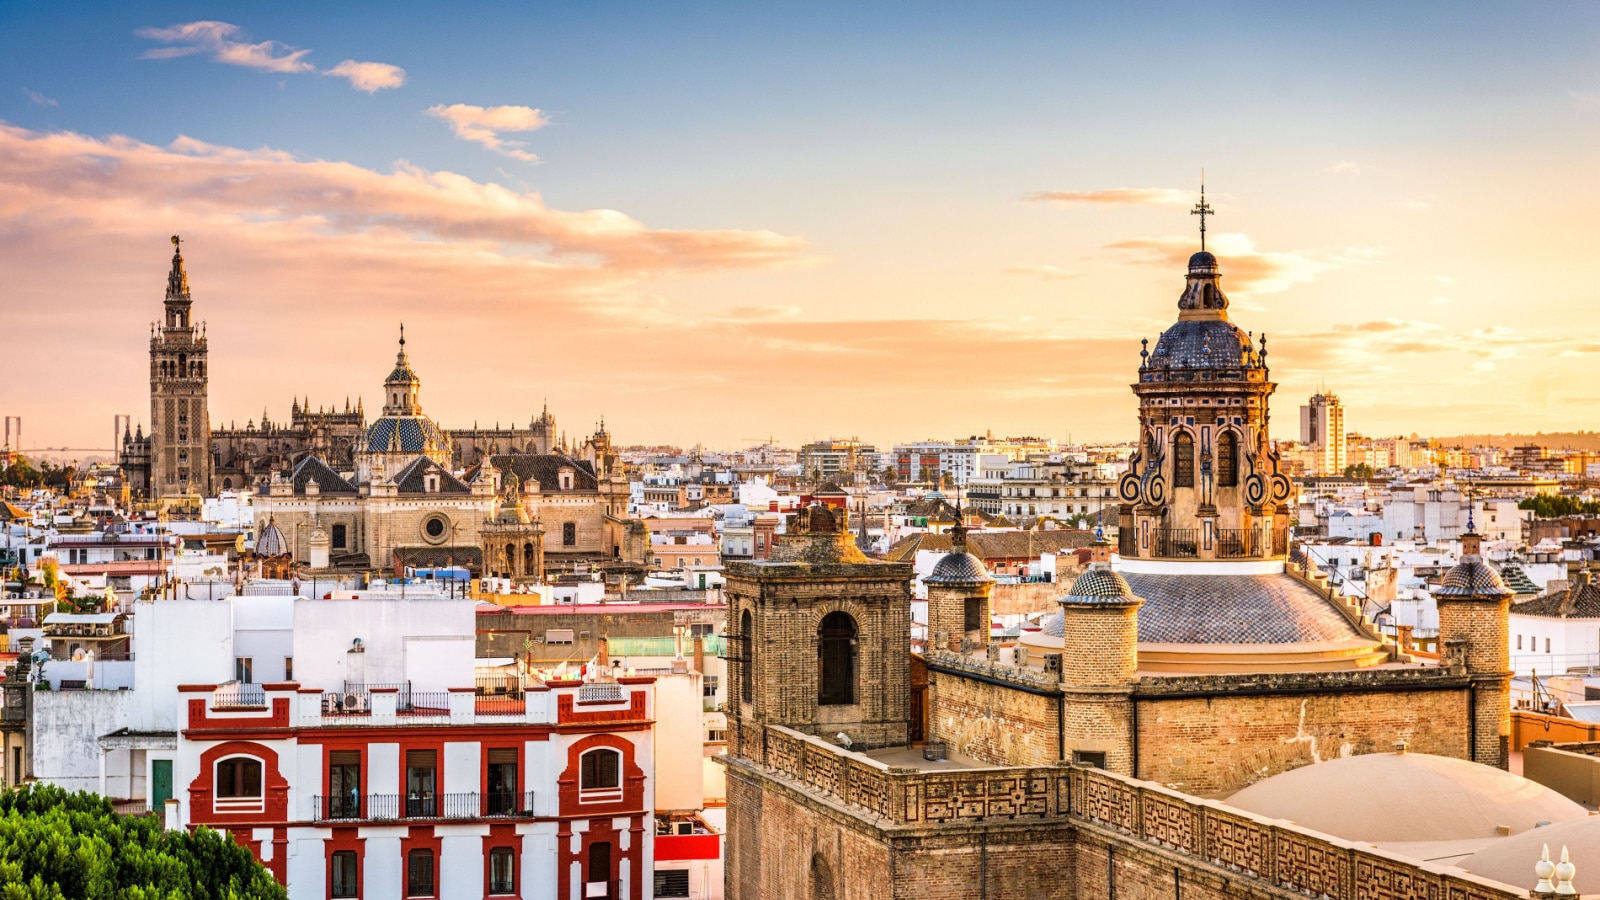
pixel 713 224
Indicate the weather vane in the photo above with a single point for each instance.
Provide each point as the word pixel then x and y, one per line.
pixel 1202 209
pixel 177 243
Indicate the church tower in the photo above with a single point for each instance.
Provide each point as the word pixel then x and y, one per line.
pixel 180 421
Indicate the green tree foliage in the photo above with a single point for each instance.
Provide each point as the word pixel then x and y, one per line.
pixel 1358 470
pixel 56 845
pixel 22 474
pixel 1546 507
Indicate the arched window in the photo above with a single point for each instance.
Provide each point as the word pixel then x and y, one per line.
pixel 747 676
pixel 1227 459
pixel 1182 460
pixel 821 879
pixel 836 660
pixel 527 559
pixel 239 778
pixel 600 770
pixel 339 537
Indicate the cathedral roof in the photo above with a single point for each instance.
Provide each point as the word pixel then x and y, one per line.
pixel 413 478
pixel 545 468
pixel 404 434
pixel 328 481
pixel 1227 609
pixel 1406 797
pixel 1202 344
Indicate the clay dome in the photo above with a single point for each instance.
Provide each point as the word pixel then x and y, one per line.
pixel 1510 860
pixel 1098 586
pixel 1472 577
pixel 958 568
pixel 271 542
pixel 1406 797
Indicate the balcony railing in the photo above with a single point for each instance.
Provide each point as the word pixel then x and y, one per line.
pixel 395 808
pixel 1243 543
pixel 1177 543
pixel 425 703
pixel 600 692
pixel 238 695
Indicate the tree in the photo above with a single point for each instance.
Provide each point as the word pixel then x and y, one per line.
pixel 55 845
pixel 1358 470
pixel 1548 507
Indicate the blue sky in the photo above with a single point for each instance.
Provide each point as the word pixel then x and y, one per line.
pixel 832 203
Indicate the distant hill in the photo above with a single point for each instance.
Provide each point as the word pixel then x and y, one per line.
pixel 1557 440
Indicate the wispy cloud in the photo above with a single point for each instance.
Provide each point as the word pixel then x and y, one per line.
pixel 369 76
pixel 1043 271
pixel 226 43
pixel 222 41
pixel 1244 267
pixel 39 98
pixel 1411 205
pixel 1346 167
pixel 1117 196
pixel 483 125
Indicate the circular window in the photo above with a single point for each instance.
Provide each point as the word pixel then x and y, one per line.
pixel 435 528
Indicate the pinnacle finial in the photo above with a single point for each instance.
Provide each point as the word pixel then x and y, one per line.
pixel 1202 209
pixel 402 336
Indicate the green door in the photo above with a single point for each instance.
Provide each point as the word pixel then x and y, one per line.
pixel 161 787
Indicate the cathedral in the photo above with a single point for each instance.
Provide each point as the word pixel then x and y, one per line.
pixel 1085 759
pixel 335 492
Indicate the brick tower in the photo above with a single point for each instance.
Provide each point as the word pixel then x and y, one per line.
pixel 958 598
pixel 1474 627
pixel 819 642
pixel 1099 661
pixel 180 423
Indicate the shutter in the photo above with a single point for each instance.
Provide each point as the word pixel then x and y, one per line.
pixel 499 756
pixel 422 759
pixel 344 757
pixel 607 764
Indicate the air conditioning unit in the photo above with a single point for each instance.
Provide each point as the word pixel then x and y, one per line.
pixel 1052 664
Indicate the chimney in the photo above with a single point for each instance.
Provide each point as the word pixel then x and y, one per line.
pixel 1403 637
pixel 603 657
pixel 699 654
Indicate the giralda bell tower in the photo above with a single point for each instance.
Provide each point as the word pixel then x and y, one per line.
pixel 180 425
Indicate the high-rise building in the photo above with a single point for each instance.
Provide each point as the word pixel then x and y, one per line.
pixel 1322 429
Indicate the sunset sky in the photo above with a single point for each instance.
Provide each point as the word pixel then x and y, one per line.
pixel 713 223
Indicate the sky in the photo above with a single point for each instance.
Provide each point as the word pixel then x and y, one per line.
pixel 716 223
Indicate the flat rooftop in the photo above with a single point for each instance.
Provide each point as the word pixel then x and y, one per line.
pixel 911 757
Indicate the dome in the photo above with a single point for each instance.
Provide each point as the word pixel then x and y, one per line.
pixel 1100 585
pixel 1202 344
pixel 1510 860
pixel 271 542
pixel 404 434
pixel 958 568
pixel 1472 577
pixel 1406 797
pixel 1203 260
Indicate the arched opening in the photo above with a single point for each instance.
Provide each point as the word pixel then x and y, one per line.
pixel 528 567
pixel 746 670
pixel 507 560
pixel 1227 460
pixel 239 778
pixel 836 660
pixel 1182 460
pixel 821 879
pixel 227 484
pixel 600 770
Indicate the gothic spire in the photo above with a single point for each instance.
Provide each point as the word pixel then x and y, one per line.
pixel 177 279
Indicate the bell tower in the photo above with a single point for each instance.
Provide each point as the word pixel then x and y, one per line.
pixel 818 639
pixel 180 421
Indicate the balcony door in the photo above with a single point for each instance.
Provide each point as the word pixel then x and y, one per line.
pixel 421 780
pixel 344 784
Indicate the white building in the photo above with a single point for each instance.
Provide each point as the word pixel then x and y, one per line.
pixel 1322 430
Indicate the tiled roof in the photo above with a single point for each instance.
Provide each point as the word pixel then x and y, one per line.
pixel 992 545
pixel 1581 601
pixel 1229 609
pixel 418 434
pixel 411 480
pixel 439 557
pixel 328 481
pixel 1517 580
pixel 545 468
pixel 1471 578
pixel 958 568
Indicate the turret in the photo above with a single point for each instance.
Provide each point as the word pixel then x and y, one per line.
pixel 958 598
pixel 1474 627
pixel 1099 663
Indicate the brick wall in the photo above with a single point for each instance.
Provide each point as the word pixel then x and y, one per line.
pixel 997 725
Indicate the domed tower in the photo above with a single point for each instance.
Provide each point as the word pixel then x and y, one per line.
pixel 1099 662
pixel 958 598
pixel 403 432
pixel 1474 628
pixel 1205 481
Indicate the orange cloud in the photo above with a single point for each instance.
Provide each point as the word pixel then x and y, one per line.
pixel 1118 196
pixel 482 125
pixel 369 76
pixel 1244 267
